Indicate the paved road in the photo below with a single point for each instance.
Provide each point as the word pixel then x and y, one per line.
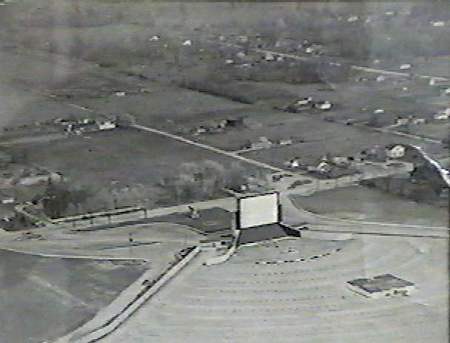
pixel 320 223
pixel 208 147
pixel 328 59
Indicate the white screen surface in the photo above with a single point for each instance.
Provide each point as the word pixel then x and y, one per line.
pixel 258 210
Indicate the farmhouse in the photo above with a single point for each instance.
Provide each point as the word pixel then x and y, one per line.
pixel 341 161
pixel 106 124
pixel 381 286
pixel 405 66
pixel 7 197
pixel 293 163
pixel 395 151
pixel 323 105
pixel 402 121
pixel 443 115
pixel 263 143
pixel 88 125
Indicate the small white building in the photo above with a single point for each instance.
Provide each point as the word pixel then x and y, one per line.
pixel 419 121
pixel 106 125
pixel 443 115
pixel 405 66
pixel 438 23
pixel 269 57
pixel 402 121
pixel 323 105
pixel 396 151
pixel 243 39
pixel 293 163
pixel 304 101
pixel 7 198
pixel 263 143
pixel 286 141
pixel 324 167
pixel 381 286
pixel 241 55
pixel 341 161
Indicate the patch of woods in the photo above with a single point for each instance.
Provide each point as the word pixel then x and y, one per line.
pixel 419 187
pixel 66 199
pixel 196 181
pixel 192 181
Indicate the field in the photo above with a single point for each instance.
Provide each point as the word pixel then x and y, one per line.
pixel 369 204
pixel 336 139
pixel 124 157
pixel 44 298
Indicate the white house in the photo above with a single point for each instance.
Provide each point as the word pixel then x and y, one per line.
pixel 438 23
pixel 341 161
pixel 444 115
pixel 106 125
pixel 304 101
pixel 269 57
pixel 241 54
pixel 286 141
pixel 397 151
pixel 7 198
pixel 419 121
pixel 405 66
pixel 243 39
pixel 324 167
pixel 323 105
pixel 402 121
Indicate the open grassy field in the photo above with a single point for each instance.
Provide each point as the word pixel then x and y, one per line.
pixel 44 298
pixel 322 137
pixel 369 204
pixel 123 156
pixel 439 130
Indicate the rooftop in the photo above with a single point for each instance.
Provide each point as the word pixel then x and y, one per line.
pixel 380 283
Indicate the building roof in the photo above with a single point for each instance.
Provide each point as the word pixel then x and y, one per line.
pixel 380 283
pixel 262 233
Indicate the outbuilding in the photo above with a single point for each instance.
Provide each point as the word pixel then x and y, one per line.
pixel 395 151
pixel 385 285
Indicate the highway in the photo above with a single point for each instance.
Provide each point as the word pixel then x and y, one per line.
pixel 329 61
